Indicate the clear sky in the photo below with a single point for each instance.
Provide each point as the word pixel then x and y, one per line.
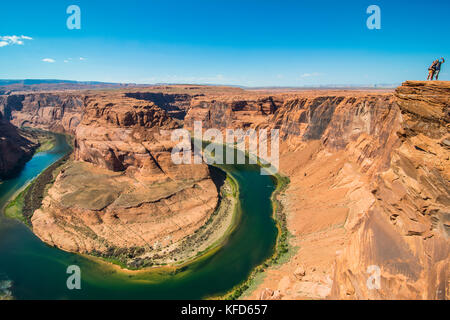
pixel 240 42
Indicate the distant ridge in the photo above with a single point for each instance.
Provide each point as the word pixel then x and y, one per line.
pixel 4 82
pixel 8 86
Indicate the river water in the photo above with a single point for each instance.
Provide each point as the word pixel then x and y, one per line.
pixel 38 271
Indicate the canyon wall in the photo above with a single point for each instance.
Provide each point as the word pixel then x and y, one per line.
pixel 122 196
pixel 368 196
pixel 369 189
pixel 57 112
pixel 231 111
pixel 405 230
pixel 16 146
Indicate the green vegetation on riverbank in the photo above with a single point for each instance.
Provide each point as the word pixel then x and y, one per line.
pixel 46 145
pixel 30 199
pixel 45 140
pixel 14 208
pixel 282 248
pixel 230 189
pixel 190 280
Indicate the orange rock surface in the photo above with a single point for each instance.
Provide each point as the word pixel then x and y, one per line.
pixel 369 187
pixel 123 195
pixel 369 182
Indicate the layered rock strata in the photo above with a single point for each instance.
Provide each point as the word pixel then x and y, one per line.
pixel 123 196
pixel 368 194
pixel 16 146
pixel 367 206
pixel 57 112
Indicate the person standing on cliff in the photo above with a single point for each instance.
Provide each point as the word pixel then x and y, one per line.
pixel 438 68
pixel 432 70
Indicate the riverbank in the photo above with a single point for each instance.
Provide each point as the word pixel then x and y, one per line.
pixel 208 275
pixel 206 240
pixel 19 145
pixel 5 289
pixel 282 250
pixel 30 198
pixel 229 214
pixel 21 205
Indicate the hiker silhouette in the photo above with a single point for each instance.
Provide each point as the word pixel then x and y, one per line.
pixel 434 69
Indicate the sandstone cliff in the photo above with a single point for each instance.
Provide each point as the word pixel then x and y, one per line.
pixel 405 230
pixel 369 188
pixel 369 171
pixel 16 146
pixel 234 111
pixel 58 112
pixel 122 196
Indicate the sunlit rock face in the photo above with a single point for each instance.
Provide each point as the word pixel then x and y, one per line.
pixel 16 146
pixel 405 231
pixel 123 192
pixel 368 193
pixel 369 187
pixel 58 112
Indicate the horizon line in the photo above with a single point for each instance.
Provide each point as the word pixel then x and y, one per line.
pixel 93 82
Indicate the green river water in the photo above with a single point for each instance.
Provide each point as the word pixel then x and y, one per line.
pixel 38 271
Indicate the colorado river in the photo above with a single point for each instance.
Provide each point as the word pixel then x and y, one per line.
pixel 38 271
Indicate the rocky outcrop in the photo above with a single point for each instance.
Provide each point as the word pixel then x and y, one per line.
pixel 49 111
pixel 367 202
pixel 369 189
pixel 231 111
pixel 175 105
pixel 123 197
pixel 121 134
pixel 369 196
pixel 16 146
pixel 58 112
pixel 405 231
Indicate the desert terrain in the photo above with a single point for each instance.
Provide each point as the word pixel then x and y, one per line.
pixel 368 170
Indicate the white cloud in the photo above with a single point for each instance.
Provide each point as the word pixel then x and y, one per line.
pixel 307 75
pixel 71 59
pixel 11 40
pixel 49 60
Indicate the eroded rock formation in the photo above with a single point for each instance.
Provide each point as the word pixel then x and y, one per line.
pixel 369 189
pixel 15 150
pixel 16 146
pixel 57 112
pixel 123 195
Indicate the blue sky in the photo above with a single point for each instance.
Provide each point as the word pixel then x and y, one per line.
pixel 240 42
